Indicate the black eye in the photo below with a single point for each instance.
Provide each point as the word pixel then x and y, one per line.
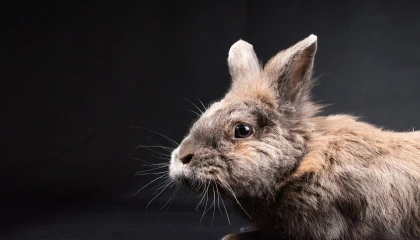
pixel 243 131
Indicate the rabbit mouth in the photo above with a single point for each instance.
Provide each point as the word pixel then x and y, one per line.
pixel 200 186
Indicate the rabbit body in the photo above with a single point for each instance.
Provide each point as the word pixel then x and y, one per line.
pixel 297 175
pixel 355 182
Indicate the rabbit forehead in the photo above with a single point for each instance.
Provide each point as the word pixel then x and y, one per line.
pixel 228 109
pixel 214 108
pixel 225 113
pixel 236 101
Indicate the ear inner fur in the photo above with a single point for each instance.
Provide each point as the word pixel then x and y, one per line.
pixel 290 73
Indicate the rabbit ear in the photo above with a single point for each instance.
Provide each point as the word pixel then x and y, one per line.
pixel 242 61
pixel 290 71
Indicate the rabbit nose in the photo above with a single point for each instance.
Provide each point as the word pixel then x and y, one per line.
pixel 187 149
pixel 187 158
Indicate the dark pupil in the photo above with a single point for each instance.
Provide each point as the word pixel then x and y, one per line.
pixel 242 130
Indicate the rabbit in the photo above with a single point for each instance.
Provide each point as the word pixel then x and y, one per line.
pixel 294 173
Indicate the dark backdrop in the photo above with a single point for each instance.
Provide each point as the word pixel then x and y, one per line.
pixel 76 77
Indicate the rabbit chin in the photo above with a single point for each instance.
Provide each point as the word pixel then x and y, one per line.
pixel 178 170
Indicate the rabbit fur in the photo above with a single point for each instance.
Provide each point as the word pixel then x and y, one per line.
pixel 300 175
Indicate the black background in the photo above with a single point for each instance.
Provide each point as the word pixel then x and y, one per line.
pixel 76 77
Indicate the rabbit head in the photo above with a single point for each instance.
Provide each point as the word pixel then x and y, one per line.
pixel 248 142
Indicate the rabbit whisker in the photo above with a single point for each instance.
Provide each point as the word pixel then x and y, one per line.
pixel 214 205
pixel 164 158
pixel 202 104
pixel 207 199
pixel 171 200
pixel 148 170
pixel 160 134
pixel 141 174
pixel 161 185
pixel 149 163
pixel 237 201
pixel 169 149
pixel 202 198
pixel 168 194
pixel 193 112
pixel 154 180
pixel 158 195
pixel 154 151
pixel 223 203
pixel 218 200
pixel 195 106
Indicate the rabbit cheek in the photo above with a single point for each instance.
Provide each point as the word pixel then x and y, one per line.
pixel 250 174
pixel 208 166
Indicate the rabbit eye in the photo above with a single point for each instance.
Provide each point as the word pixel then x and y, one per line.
pixel 243 131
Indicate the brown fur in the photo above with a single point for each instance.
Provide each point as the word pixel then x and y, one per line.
pixel 301 176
